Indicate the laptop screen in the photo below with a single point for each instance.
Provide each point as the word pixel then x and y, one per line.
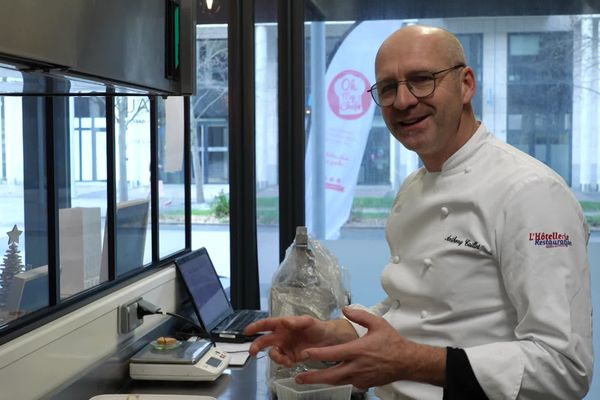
pixel 204 288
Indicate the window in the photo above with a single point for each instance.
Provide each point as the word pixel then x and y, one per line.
pixel 210 147
pixel 375 165
pixel 91 181
pixel 87 163
pixel 24 275
pixel 171 177
pixel 133 213
pixel 267 162
pixel 473 45
pixel 82 223
pixel 88 141
pixel 210 104
pixel 540 97
pixel 214 150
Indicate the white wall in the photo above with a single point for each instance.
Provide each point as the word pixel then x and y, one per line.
pixel 56 354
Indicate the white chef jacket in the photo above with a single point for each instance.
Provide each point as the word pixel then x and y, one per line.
pixel 490 255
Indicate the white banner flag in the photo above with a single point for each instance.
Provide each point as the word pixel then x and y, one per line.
pixel 348 119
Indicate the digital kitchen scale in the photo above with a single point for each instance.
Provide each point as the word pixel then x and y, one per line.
pixel 183 361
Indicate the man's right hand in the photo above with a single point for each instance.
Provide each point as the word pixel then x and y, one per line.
pixel 289 336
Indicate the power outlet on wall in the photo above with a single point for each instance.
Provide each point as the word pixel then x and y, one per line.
pixel 129 318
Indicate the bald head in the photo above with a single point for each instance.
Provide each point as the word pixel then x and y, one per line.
pixel 427 41
pixel 427 88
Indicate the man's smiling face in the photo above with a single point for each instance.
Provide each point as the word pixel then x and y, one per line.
pixel 429 126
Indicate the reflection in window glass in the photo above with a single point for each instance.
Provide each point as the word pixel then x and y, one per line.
pixel 210 147
pixel 133 237
pixel 82 227
pixel 23 279
pixel 171 194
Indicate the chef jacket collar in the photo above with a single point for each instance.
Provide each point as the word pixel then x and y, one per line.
pixel 467 154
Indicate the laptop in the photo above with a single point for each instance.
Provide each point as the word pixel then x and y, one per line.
pixel 214 311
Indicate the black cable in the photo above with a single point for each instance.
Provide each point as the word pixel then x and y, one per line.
pixel 201 330
pixel 146 308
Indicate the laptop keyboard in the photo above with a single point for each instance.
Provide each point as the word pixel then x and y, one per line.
pixel 246 317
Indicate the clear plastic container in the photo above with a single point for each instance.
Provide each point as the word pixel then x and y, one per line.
pixel 288 389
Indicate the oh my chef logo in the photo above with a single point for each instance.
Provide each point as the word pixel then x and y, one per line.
pixel 550 239
pixel 347 95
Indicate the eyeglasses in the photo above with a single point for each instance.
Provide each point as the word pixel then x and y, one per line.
pixel 420 85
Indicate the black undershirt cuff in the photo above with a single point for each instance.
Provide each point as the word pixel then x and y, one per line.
pixel 461 382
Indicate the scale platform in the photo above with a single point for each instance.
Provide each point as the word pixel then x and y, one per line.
pixel 185 361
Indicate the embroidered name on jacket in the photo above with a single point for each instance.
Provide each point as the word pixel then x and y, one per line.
pixel 549 240
pixel 467 242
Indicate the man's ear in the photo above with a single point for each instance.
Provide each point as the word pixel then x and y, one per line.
pixel 468 85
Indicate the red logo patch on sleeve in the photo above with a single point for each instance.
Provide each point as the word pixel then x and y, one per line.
pixel 550 239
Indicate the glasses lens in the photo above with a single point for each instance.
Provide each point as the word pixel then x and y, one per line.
pixel 384 93
pixel 421 86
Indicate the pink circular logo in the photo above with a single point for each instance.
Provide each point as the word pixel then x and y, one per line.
pixel 347 95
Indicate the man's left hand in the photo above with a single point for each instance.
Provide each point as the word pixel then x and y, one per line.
pixel 379 357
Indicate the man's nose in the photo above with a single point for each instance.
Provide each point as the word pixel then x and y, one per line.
pixel 404 97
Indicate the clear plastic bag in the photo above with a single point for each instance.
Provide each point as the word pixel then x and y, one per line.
pixel 309 281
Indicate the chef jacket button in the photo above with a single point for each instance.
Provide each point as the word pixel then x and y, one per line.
pixel 423 314
pixel 467 170
pixel 395 259
pixel 445 212
pixel 427 262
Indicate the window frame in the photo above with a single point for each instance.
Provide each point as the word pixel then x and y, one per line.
pixel 53 127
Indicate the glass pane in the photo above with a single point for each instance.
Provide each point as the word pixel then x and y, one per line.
pixel 170 185
pixel 210 148
pixel 217 137
pixel 23 224
pixel 540 96
pixel 350 157
pixel 82 227
pixel 218 166
pixel 267 162
pixel 133 237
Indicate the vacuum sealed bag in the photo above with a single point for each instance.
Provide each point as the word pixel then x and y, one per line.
pixel 309 281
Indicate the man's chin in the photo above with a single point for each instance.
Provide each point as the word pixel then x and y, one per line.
pixel 412 141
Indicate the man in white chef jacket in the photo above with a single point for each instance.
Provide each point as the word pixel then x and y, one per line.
pixel 488 281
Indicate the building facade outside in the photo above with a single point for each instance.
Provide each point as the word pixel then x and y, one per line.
pixel 539 90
